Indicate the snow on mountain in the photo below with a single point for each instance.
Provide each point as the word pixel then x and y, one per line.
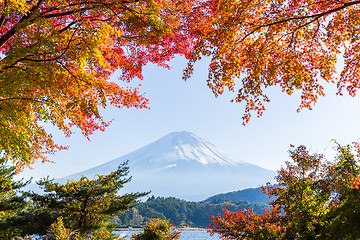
pixel 185 166
pixel 182 146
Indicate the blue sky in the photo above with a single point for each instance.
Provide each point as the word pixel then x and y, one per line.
pixel 176 105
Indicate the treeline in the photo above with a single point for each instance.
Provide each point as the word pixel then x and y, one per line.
pixel 181 213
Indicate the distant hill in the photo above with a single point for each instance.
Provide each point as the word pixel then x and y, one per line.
pixel 253 195
pixel 181 213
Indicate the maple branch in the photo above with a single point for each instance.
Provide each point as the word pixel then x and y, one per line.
pixel 82 10
pixel 2 19
pixel 43 60
pixel 8 35
pixel 316 16
pixel 23 98
pixel 92 5
pixel 69 71
pixel 69 6
pixel 305 6
pixel 67 27
pixel 3 16
pixel 298 27
pixel 67 13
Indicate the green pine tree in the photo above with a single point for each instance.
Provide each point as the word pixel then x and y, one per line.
pixel 86 205
pixel 11 201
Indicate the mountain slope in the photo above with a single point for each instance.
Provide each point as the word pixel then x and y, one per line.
pixel 185 166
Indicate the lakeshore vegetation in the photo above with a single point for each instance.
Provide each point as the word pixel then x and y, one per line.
pixel 180 213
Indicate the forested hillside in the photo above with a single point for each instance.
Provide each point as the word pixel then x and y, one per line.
pixel 181 213
pixel 249 194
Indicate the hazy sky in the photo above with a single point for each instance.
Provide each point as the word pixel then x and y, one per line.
pixel 177 105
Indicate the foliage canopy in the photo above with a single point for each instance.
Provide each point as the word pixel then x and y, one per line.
pixel 293 44
pixel 57 57
pixel 315 199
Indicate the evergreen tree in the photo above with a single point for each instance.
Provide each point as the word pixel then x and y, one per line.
pixel 11 202
pixel 85 205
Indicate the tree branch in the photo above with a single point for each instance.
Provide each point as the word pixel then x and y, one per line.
pixel 3 16
pixel 7 36
pixel 22 98
pixel 316 16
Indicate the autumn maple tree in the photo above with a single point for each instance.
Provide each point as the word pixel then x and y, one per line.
pixel 57 58
pixel 314 199
pixel 292 44
pixel 245 224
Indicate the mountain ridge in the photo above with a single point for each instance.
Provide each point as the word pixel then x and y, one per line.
pixel 183 165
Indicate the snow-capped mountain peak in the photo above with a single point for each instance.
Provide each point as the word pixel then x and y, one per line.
pixel 183 165
pixel 181 146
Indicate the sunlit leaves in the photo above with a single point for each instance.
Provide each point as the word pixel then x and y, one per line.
pixel 245 224
pixel 157 229
pixel 292 44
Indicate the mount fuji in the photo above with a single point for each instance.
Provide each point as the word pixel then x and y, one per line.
pixel 185 166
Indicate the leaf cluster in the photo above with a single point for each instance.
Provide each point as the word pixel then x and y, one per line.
pixel 157 229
